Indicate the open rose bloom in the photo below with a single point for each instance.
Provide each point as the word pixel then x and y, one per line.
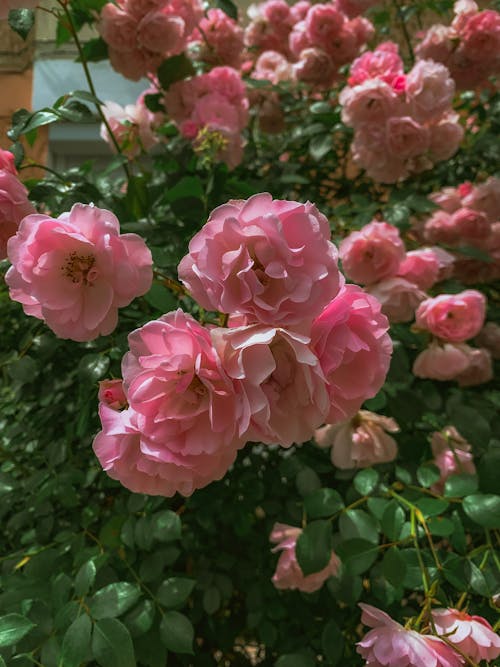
pixel 473 635
pixel 75 271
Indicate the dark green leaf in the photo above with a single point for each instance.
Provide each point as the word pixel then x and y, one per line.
pixel 366 481
pixel 428 474
pixel 332 642
pixel 174 69
pixel 295 660
pixel 323 503
pixel 357 555
pixel 113 600
pixel 358 523
pixel 175 591
pixel 13 627
pixel 112 645
pixel 76 642
pixel 483 509
pixel 229 8
pixel 211 600
pixel 93 367
pixel 314 547
pixel 166 526
pixel 177 632
pixel 394 566
pixel 461 485
pixel 320 145
pixel 432 506
pixel 140 619
pixel 307 481
pixel 161 298
pixel 21 21
pixel 95 50
pixel 393 519
pixel 85 578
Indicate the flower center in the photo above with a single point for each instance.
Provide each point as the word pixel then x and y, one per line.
pixel 80 269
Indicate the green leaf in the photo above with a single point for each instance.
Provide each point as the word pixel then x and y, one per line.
pixel 174 591
pixel 166 526
pixel 85 578
pixel 295 660
pixel 471 424
pixel 477 580
pixel 366 481
pixel 432 506
pixel 428 474
pixel 357 555
pixel 229 8
pixel 112 645
pixel 186 187
pixel 13 627
pixel 177 632
pixel 314 547
pixel 307 481
pixel 440 526
pixel 21 21
pixel 161 298
pixel 94 50
pixel 461 485
pixel 113 600
pixel 394 566
pixel 140 619
pixel 211 600
pixel 323 503
pixel 358 523
pixel 93 367
pixel 332 642
pixel 320 145
pixel 393 519
pixel 76 643
pixel 174 69
pixel 483 509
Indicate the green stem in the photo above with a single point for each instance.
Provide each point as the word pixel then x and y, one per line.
pixel 404 28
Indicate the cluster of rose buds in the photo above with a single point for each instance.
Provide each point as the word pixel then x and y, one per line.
pixel 14 203
pixel 75 271
pixel 452 455
pixel 140 34
pixel 212 110
pixel 375 256
pixel 132 126
pixel 298 349
pixel 469 47
pixel 305 42
pixel 403 123
pixel 389 644
pixel 469 215
pixel 453 319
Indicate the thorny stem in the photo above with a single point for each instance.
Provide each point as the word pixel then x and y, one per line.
pixel 90 83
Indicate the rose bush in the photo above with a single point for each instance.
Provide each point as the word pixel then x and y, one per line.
pixel 249 396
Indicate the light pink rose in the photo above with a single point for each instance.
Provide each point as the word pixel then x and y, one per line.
pixel 269 259
pixel 489 337
pixel 440 228
pixel 398 297
pixel 420 267
pixel 453 318
pixel 473 635
pixel 406 138
pixel 224 39
pixel 288 574
pixel 372 101
pixel 452 455
pixel 354 7
pixel 272 66
pixel 280 378
pixel 389 644
pixel 441 361
pixel 369 151
pixel 360 442
pixel 14 203
pixel 298 11
pixel 481 36
pixel 323 25
pixel 437 44
pixel 118 28
pixel 7 162
pixel 429 90
pixel 354 349
pixel 316 68
pixel 299 40
pixel 485 198
pixel 75 271
pixel 445 137
pixel 470 225
pixel 182 429
pixel 479 370
pixel 448 199
pixel 161 33
pixel 131 127
pixel 216 112
pixel 383 63
pixel 276 12
pixel 111 394
pixel 372 253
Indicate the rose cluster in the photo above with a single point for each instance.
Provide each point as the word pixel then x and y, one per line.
pixel 218 40
pixel 469 215
pixel 305 42
pixel 298 349
pixel 75 271
pixel 403 123
pixel 469 47
pixel 212 110
pixel 14 203
pixel 142 33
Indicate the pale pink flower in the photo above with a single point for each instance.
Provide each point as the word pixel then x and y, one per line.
pixel 383 63
pixel 75 271
pixel 361 442
pixel 398 297
pixel 118 28
pixel 473 635
pixel 429 90
pixel 440 228
pixel 7 5
pixel 298 11
pixel 14 203
pixel 437 44
pixel 486 198
pixel 369 102
pixel 441 361
pixel 406 137
pixel 420 267
pixel 269 259
pixel 481 36
pixel 280 378
pixel 272 66
pixel 479 370
pixel 288 574
pixel 453 317
pixel 224 39
pixel 389 644
pixel 372 253
pixel 369 151
pixel 489 337
pixel 452 455
pixel 448 199
pixel 323 25
pixel 132 127
pixel 445 137
pixel 354 349
pixel 158 29
pixel 132 66
pixel 7 162
pixel 111 394
pixel 470 225
pixel 316 68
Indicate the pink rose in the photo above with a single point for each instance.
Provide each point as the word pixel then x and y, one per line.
pixel 453 317
pixel 272 66
pixel 398 297
pixel 437 44
pixel 445 137
pixel 280 379
pixel 448 199
pixel 441 361
pixel 440 228
pixel 361 442
pixel 162 33
pixel 269 259
pixel 288 574
pixel 406 138
pixel 373 101
pixel 479 370
pixel 323 25
pixel 481 36
pixel 485 198
pixel 369 151
pixel 473 635
pixel 420 267
pixel 111 394
pixel 224 39
pixel 470 225
pixel 132 66
pixel 276 12
pixel 373 253
pixel 355 7
pixel 383 63
pixel 429 90
pixel 298 11
pixel 75 271
pixel 7 162
pixel 389 644
pixel 315 67
pixel 354 349
pixel 118 28
pixel 131 127
pixel 452 455
pixel 489 337
pixel 14 203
